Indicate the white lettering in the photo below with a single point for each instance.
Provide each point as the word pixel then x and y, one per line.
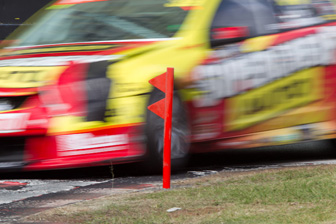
pixel 236 75
pixel 13 122
pixel 75 143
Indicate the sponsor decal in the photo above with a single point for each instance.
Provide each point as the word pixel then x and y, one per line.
pixel 28 77
pixel 264 103
pixel 15 122
pixel 236 75
pixel 261 85
pixel 87 143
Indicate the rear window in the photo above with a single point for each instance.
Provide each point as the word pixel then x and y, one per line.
pixel 262 17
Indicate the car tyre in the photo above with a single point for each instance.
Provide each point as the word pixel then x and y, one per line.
pixel 154 134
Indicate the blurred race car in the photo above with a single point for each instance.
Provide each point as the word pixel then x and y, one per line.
pixel 74 87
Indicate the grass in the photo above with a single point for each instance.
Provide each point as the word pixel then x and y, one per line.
pixel 292 195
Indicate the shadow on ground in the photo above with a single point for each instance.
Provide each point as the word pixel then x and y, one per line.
pixel 322 150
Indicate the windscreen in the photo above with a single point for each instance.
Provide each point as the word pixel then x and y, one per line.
pixel 100 20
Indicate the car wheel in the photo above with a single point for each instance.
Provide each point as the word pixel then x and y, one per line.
pixel 179 138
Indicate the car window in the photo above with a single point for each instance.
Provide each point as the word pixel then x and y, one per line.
pixel 262 17
pixel 243 18
pixel 234 13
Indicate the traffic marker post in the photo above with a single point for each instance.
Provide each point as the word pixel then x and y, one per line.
pixel 164 108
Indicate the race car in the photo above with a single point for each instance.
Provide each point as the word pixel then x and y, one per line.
pixel 74 86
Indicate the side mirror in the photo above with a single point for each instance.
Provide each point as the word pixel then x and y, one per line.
pixel 226 35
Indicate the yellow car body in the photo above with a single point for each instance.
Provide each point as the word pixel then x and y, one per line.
pixel 242 85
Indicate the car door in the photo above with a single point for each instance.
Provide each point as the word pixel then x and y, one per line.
pixel 223 76
pixel 267 68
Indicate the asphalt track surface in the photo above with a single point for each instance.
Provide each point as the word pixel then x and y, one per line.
pixel 23 194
